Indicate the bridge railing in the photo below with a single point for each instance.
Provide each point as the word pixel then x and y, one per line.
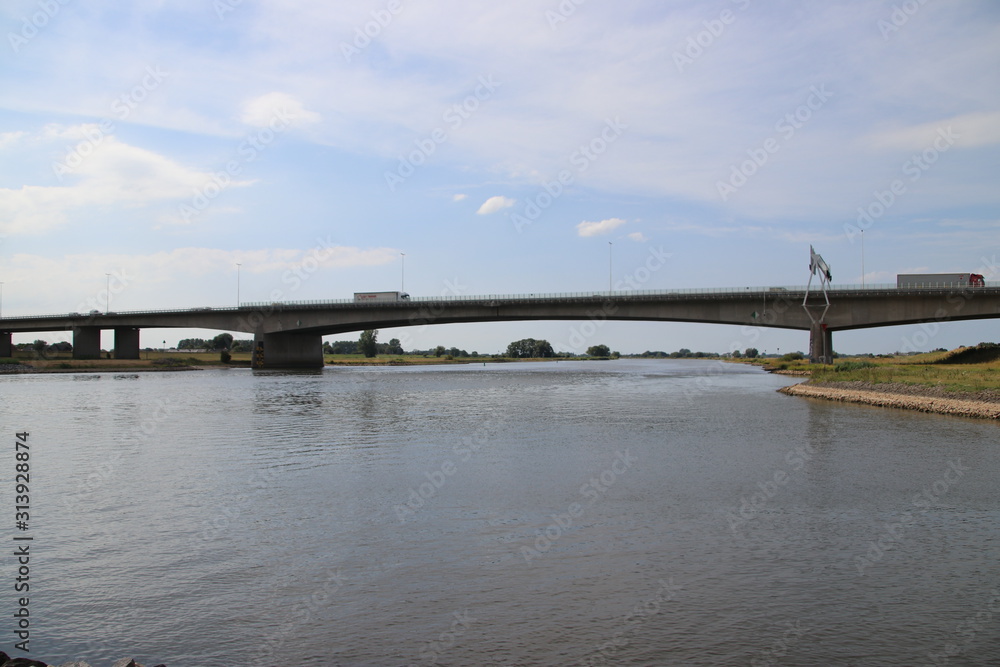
pixel 758 292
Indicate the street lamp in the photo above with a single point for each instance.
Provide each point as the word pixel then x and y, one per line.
pixel 862 259
pixel 609 267
pixel 238 284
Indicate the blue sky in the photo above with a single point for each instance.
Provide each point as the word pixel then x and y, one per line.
pixel 516 147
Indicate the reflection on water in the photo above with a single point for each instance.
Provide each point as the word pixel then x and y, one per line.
pixel 634 512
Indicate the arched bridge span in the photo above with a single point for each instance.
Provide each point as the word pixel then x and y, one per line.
pixel 289 335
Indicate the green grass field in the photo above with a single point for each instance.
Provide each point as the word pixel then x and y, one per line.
pixel 929 369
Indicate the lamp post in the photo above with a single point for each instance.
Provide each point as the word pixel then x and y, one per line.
pixel 238 284
pixel 609 267
pixel 862 259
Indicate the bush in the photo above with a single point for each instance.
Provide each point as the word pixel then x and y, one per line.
pixel 225 357
pixel 853 366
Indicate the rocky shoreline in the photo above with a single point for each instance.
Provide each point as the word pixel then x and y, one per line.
pixel 7 661
pixel 983 405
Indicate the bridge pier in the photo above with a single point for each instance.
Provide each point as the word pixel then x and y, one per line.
pixel 87 343
pixel 126 343
pixel 6 344
pixel 287 350
pixel 820 344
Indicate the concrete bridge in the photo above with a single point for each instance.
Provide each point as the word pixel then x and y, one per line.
pixel 289 335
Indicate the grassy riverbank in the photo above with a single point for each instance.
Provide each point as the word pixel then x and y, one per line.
pixel 963 381
pixel 158 361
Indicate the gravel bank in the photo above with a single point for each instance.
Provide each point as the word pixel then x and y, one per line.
pixel 985 404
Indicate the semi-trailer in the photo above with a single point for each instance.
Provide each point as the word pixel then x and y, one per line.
pixel 939 280
pixel 380 297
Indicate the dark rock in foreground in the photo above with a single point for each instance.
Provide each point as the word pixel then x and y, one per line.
pixel 7 661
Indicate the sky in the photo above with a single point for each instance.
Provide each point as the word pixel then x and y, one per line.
pixel 204 152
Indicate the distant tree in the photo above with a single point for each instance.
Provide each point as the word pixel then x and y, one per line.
pixel 395 347
pixel 736 354
pixel 39 345
pixel 529 348
pixel 751 353
pixel 616 355
pixel 368 342
pixel 223 341
pixel 242 345
pixel 193 344
pixel 344 347
pixel 599 351
pixel 439 350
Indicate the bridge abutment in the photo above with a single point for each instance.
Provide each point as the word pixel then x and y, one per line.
pixel 126 343
pixel 820 344
pixel 87 343
pixel 288 350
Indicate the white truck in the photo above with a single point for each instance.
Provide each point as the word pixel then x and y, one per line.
pixel 939 280
pixel 380 297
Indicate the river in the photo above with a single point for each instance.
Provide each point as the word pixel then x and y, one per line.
pixel 640 512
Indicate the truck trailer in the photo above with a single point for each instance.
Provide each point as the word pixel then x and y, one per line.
pixel 911 280
pixel 380 297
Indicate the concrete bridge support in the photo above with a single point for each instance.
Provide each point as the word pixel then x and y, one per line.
pixel 87 343
pixel 820 344
pixel 126 343
pixel 6 344
pixel 288 350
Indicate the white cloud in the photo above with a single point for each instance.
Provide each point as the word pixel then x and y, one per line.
pixel 494 204
pixel 596 228
pixel 261 111
pixel 638 237
pixel 967 130
pixel 458 197
pixel 9 138
pixel 100 171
